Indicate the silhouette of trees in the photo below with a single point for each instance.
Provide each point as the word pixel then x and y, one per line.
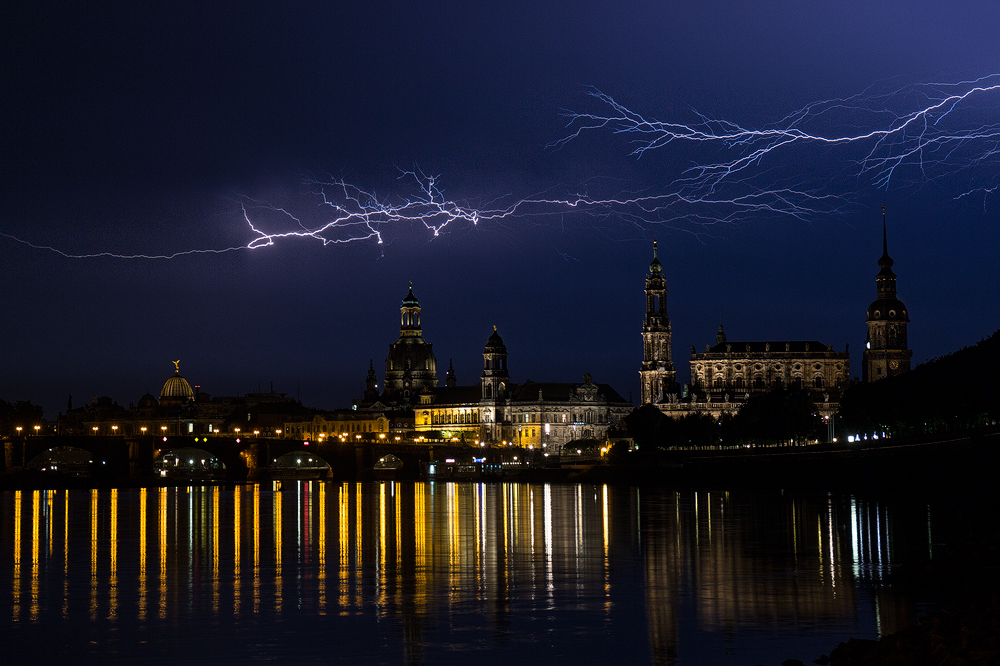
pixel 19 413
pixel 952 393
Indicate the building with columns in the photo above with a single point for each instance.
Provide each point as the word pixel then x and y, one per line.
pixel 886 348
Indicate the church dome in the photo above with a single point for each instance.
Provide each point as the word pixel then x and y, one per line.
pixel 411 300
pixel 495 345
pixel 176 388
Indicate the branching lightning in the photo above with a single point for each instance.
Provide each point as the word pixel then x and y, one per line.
pixel 914 134
pixel 908 131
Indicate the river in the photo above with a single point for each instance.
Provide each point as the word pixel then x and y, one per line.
pixel 441 573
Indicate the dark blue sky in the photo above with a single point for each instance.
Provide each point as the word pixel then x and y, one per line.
pixel 134 130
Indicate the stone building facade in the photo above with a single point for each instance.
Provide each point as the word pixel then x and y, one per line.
pixel 727 374
pixel 544 415
pixel 495 411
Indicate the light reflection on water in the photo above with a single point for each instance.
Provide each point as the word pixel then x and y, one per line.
pixel 424 572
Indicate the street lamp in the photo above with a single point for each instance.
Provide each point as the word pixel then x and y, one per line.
pixel 94 429
pixel 143 429
pixel 115 429
pixel 37 427
pixel 19 430
pixel 277 433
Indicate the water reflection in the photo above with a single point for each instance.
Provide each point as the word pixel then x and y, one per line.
pixel 460 564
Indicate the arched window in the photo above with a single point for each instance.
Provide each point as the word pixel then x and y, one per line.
pixel 717 383
pixel 738 383
pixel 758 382
pixel 817 382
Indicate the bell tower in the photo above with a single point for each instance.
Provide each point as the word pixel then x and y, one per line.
pixel 657 373
pixel 886 349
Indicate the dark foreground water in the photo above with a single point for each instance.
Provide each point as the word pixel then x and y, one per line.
pixel 402 573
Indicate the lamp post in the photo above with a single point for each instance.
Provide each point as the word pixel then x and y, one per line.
pixel 37 428
pixel 114 429
pixel 143 429
pixel 18 428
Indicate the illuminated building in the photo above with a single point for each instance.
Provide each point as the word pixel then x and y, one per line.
pixel 181 410
pixel 725 375
pixel 545 415
pixel 886 353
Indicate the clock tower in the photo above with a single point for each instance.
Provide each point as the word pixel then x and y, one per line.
pixel 886 349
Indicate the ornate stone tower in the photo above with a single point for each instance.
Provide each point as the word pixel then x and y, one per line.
pixel 410 365
pixel 657 373
pixel 886 350
pixel 496 383
pixel 495 375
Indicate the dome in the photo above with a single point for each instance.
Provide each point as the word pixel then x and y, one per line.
pixel 411 300
pixel 148 401
pixel 176 388
pixel 495 345
pixel 889 309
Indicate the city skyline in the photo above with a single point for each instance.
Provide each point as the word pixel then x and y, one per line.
pixel 139 135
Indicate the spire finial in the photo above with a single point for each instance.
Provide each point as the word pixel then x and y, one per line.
pixel 494 328
pixel 885 238
pixel 654 249
pixel 177 366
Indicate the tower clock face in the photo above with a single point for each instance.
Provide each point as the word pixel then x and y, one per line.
pixel 894 364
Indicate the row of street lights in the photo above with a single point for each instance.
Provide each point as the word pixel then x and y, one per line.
pixel 19 429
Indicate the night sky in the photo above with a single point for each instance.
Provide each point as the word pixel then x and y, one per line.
pixel 140 129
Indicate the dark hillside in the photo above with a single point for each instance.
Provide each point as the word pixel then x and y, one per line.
pixel 956 392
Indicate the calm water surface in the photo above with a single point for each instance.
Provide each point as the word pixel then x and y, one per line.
pixel 401 573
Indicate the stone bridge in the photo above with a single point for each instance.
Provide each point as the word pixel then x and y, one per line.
pixel 131 458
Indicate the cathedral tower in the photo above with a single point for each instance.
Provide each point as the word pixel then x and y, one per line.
pixel 657 373
pixel 886 351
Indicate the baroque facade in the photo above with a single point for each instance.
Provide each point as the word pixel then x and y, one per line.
pixel 727 374
pixel 886 348
pixel 497 411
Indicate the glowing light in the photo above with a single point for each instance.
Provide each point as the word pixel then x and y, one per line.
pixel 908 132
pixel 914 134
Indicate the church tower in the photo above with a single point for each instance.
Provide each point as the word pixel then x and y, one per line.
pixel 657 373
pixel 886 350
pixel 495 376
pixel 496 384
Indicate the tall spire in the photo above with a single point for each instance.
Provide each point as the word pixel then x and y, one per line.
pixel 885 238
pixel 885 262
pixel 655 266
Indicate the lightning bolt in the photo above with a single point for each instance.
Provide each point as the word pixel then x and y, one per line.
pixel 924 131
pixel 901 137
